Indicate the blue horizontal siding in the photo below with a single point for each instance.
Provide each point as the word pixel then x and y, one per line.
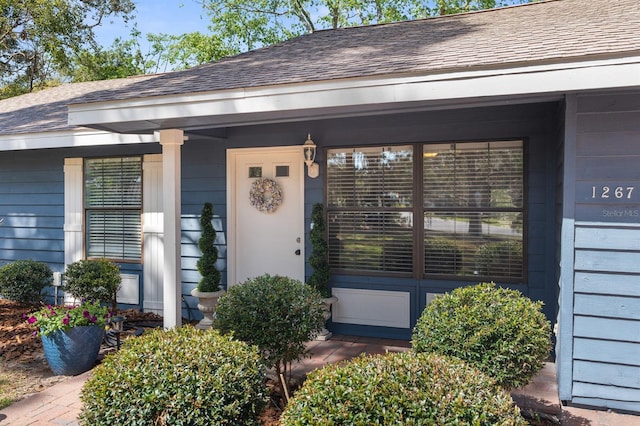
pixel 606 319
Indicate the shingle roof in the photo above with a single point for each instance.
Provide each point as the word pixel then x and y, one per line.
pixel 46 110
pixel 559 30
pixel 536 33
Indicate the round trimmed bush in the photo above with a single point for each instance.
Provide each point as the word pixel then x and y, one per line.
pixel 401 389
pixel 182 376
pixel 23 280
pixel 497 330
pixel 95 280
pixel 275 313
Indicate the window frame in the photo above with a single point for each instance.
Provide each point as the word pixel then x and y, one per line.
pixel 419 210
pixel 86 210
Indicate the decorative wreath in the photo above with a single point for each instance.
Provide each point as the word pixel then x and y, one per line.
pixel 265 195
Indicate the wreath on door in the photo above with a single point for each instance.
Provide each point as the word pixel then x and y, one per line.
pixel 265 195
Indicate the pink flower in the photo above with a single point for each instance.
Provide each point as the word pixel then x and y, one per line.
pixel 32 319
pixel 65 320
pixel 94 319
pixel 86 314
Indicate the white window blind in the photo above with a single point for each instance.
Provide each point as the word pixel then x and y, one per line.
pixel 470 207
pixel 370 202
pixel 113 208
pixel 473 209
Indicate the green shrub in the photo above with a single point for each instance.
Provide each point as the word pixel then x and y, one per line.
pixel 23 280
pixel 277 314
pixel 182 376
pixel 96 280
pixel 206 265
pixel 502 259
pixel 401 389
pixel 441 256
pixel 318 259
pixel 497 330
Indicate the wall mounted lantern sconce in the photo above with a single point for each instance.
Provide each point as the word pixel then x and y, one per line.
pixel 309 149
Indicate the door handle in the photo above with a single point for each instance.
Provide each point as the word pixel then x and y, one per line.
pixel 297 252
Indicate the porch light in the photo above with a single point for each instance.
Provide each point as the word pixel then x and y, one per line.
pixel 309 150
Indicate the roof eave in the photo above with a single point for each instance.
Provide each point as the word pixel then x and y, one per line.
pixel 335 98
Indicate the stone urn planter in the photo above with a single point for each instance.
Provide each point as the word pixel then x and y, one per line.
pixel 73 351
pixel 207 302
pixel 327 302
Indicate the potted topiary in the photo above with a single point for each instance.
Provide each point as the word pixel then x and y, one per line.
pixel 318 260
pixel 208 290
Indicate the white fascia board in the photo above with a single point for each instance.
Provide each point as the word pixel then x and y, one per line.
pixel 69 139
pixel 373 92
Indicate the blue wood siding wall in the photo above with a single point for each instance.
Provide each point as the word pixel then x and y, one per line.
pixel 606 277
pixel 32 208
pixel 33 226
pixel 32 202
pixel 204 180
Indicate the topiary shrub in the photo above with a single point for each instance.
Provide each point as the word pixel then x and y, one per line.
pixel 275 313
pixel 497 330
pixel 206 265
pixel 182 376
pixel 95 280
pixel 23 280
pixel 401 389
pixel 318 259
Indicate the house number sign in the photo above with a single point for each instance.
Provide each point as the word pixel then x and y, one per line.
pixel 608 202
pixel 605 192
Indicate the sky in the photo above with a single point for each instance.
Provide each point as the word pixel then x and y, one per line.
pixel 157 16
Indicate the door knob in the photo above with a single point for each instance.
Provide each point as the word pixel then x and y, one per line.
pixel 298 252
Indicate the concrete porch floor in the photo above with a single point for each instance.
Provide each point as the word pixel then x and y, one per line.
pixel 60 404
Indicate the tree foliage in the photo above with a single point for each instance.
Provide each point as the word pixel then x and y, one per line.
pixel 249 24
pixel 39 38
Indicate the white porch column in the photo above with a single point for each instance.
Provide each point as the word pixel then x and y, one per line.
pixel 171 141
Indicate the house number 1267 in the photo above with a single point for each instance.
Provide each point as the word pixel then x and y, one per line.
pixel 611 192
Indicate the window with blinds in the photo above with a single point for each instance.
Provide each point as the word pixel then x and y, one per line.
pixel 113 208
pixel 468 198
pixel 473 209
pixel 370 209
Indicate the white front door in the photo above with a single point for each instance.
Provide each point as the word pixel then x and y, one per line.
pixel 261 242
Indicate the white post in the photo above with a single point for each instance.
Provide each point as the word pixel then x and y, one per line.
pixel 171 141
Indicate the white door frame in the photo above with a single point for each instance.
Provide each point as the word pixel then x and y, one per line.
pixel 232 153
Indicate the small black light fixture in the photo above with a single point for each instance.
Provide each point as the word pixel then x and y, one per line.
pixel 309 150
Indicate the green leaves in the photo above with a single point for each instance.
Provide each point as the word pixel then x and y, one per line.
pixel 206 265
pixel 275 313
pixel 318 259
pixel 400 389
pixel 181 376
pixel 23 280
pixel 497 330
pixel 39 38
pixel 95 280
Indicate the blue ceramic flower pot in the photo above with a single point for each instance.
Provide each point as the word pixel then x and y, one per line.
pixel 73 351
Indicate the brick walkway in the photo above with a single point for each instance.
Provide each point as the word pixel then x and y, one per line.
pixel 60 404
